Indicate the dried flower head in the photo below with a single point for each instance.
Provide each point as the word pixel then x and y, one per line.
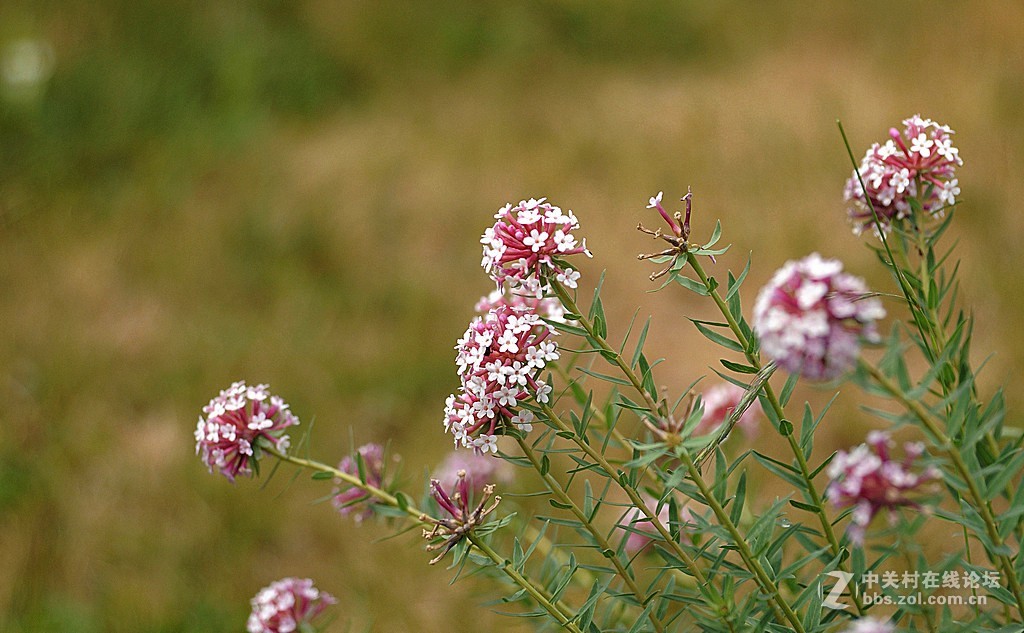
pixel 811 317
pixel 719 403
pixel 499 358
pixel 287 605
pixel 869 480
pixel 462 518
pixel 919 163
pixel 350 499
pixel 523 245
pixel 479 470
pixel 238 422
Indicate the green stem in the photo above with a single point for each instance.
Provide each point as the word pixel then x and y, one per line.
pixel 610 353
pixel 805 472
pixel 947 446
pixel 556 489
pixel 539 597
pixel 419 517
pixel 768 586
pixel 638 502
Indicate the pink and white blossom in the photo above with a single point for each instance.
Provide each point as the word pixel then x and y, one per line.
pixel 919 163
pixel 287 605
pixel 869 480
pixel 349 499
pixel 499 360
pixel 719 402
pixel 525 243
pixel 811 317
pixel 239 421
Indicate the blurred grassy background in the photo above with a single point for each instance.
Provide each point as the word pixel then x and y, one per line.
pixel 292 192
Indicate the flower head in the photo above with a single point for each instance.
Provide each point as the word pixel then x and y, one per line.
pixel 869 480
pixel 479 470
pixel 287 605
pixel 238 422
pixel 719 403
pixel 350 499
pixel 499 358
pixel 522 246
pixel 918 163
pixel 811 316
pixel 462 517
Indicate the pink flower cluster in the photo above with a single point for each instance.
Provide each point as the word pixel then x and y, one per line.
pixel 350 499
pixel 522 246
pixel 499 358
pixel 287 605
pixel 919 163
pixel 811 317
pixel 237 423
pixel 869 480
pixel 719 402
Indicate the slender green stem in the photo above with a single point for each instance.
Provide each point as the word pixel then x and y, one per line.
pixel 949 448
pixel 768 586
pixel 556 609
pixel 610 352
pixel 634 497
pixel 556 489
pixel 815 497
pixel 539 597
pixel 352 480
pixel 613 355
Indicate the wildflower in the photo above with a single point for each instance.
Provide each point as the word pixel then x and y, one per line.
pixel 919 163
pixel 238 422
pixel 462 519
pixel 286 605
pixel 522 246
pixel 869 480
pixel 870 625
pixel 719 403
pixel 499 358
pixel 350 499
pixel 642 531
pixel 811 316
pixel 478 469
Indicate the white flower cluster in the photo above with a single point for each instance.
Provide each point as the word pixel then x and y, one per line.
pixel 499 359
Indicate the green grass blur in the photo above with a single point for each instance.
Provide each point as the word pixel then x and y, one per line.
pixel 292 193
